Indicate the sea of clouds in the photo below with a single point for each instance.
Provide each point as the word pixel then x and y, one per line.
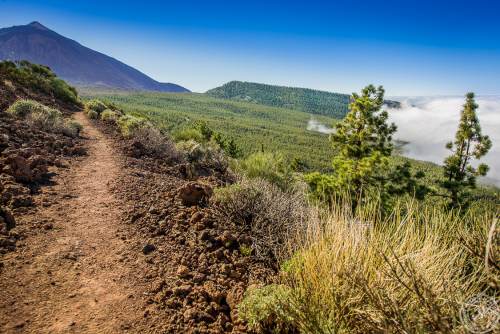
pixel 428 123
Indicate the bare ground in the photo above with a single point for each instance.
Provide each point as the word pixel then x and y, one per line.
pixel 84 274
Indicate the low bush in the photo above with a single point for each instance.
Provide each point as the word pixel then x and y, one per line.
pixel 411 273
pixel 64 92
pixel 129 124
pixel 153 143
pixel 271 215
pixel 22 108
pixel 72 128
pixel 109 116
pixel 44 118
pixel 92 114
pixel 95 105
pixel 262 307
pixel 189 134
pixel 272 167
pixel 204 155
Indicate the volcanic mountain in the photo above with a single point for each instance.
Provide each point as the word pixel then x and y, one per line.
pixel 74 62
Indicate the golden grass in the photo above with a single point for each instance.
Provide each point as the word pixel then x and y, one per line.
pixel 410 273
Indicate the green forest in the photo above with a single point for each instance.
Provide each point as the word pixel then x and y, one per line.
pixel 303 99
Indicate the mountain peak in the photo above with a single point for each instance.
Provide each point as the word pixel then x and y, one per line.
pixel 38 25
pixel 72 61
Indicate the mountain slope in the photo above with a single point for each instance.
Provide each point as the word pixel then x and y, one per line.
pixel 72 61
pixel 303 99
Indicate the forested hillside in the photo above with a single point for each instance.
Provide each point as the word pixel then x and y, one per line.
pixel 303 99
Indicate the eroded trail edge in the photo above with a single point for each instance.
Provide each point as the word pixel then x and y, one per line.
pixel 84 273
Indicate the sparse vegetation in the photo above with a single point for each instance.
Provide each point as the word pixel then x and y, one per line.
pixel 204 155
pixel 393 264
pixel 129 124
pixel 271 214
pixel 44 118
pixel 153 143
pixel 109 116
pixel 39 78
pixel 95 105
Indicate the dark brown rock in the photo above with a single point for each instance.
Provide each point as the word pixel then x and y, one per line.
pixel 195 193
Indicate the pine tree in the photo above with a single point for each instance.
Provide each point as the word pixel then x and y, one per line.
pixel 232 149
pixel 363 141
pixel 469 144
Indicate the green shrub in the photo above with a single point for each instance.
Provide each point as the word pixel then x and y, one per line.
pixel 204 155
pixel 38 78
pixel 109 116
pixel 95 105
pixel 92 114
pixel 72 128
pixel 264 309
pixel 268 166
pixel 22 108
pixel 129 124
pixel 63 91
pixel 44 118
pixel 189 134
pixel 47 119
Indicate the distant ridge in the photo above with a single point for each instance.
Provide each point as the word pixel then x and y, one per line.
pixel 74 62
pixel 303 99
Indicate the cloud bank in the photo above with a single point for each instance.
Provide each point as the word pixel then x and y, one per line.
pixel 429 123
pixel 314 125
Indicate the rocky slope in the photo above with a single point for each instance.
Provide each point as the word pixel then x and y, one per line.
pixel 118 240
pixel 28 158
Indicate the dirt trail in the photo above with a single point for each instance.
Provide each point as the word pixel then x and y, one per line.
pixel 82 275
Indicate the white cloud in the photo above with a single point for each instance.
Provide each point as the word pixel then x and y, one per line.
pixel 314 125
pixel 429 123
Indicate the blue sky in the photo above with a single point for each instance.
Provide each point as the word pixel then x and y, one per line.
pixel 411 47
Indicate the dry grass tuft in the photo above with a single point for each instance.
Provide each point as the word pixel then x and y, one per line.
pixel 411 273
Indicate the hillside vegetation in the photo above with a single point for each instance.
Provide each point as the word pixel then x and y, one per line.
pixel 253 127
pixel 303 99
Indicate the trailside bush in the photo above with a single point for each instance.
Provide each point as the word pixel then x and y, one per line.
pixel 264 310
pixel 272 167
pixel 95 105
pixel 44 118
pixel 109 116
pixel 22 108
pixel 204 155
pixel 129 124
pixel 92 114
pixel 63 91
pixel 272 215
pixel 72 128
pixel 154 143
